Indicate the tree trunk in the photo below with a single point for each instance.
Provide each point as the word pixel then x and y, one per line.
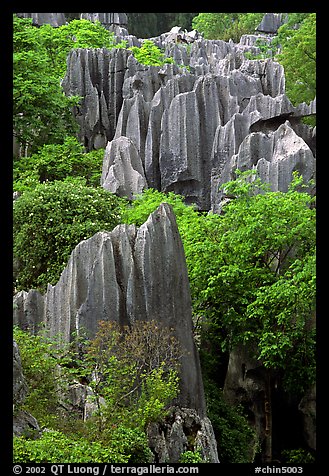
pixel 268 418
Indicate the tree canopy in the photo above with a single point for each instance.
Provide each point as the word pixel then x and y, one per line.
pixel 225 26
pixel 297 40
pixel 251 269
pixel 41 111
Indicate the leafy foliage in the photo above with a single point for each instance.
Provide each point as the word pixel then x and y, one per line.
pixel 135 372
pixel 298 456
pixel 42 112
pixel 191 457
pixel 225 26
pixel 50 220
pixel 55 446
pixel 298 56
pixel 263 291
pixel 150 54
pixel 39 361
pixel 58 162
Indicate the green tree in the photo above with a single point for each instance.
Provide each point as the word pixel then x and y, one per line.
pixel 41 111
pixel 264 289
pixel 150 54
pixel 50 220
pixel 58 162
pixel 40 359
pixel 135 371
pixel 263 292
pixel 76 34
pixel 297 39
pixel 225 26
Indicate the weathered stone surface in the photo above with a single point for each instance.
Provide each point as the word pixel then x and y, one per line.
pixel 261 137
pixel 182 430
pixel 125 275
pixel 271 22
pixel 38 19
pixel 97 75
pixel 24 424
pixel 123 172
pixel 307 406
pixel 106 19
pixel 20 388
pixel 187 125
pixel 275 156
pixel 28 310
pixel 81 399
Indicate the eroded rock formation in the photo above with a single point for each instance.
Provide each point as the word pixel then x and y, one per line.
pixel 182 430
pixel 192 124
pixel 126 275
pixel 38 19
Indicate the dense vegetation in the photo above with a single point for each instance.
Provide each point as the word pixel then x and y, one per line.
pixel 251 270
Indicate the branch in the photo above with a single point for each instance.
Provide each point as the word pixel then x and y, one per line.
pixel 309 55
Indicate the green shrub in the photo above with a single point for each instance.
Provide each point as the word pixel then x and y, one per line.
pixel 50 220
pixel 39 362
pixel 135 371
pixel 298 456
pixel 150 54
pixel 191 457
pixel 55 447
pixel 57 162
pixel 236 439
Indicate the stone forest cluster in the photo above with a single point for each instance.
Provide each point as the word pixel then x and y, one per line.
pixel 211 112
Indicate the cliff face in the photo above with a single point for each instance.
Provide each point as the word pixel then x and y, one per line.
pixel 126 275
pixel 38 19
pixel 191 126
pixel 175 128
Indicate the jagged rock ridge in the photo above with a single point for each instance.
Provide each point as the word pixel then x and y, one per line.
pixel 126 275
pixel 187 123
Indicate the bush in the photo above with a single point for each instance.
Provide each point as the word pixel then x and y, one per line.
pixel 55 447
pixel 39 362
pixel 191 457
pixel 50 220
pixel 237 441
pixel 150 54
pixel 135 371
pixel 298 456
pixel 57 162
